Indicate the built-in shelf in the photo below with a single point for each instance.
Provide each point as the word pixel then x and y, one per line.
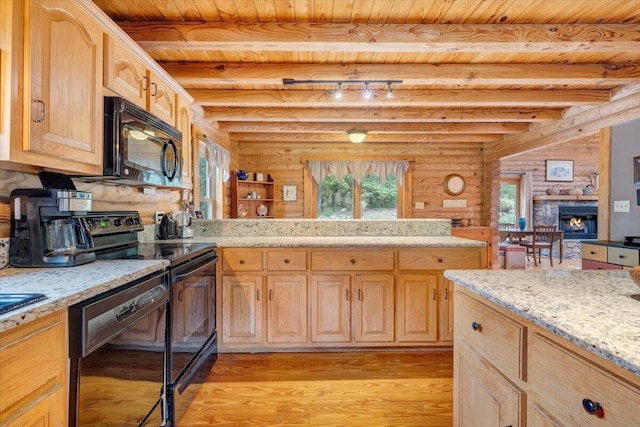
pixel 562 197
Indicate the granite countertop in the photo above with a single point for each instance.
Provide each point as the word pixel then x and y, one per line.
pixel 67 286
pixel 592 309
pixel 333 241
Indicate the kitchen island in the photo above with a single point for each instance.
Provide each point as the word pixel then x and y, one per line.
pixel 546 347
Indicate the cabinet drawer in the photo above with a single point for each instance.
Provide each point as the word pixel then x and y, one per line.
pixel 439 259
pixel 588 264
pixel 351 260
pixel 287 260
pixel 28 374
pixel 594 252
pixel 623 256
pixel 499 339
pixel 242 259
pixel 562 379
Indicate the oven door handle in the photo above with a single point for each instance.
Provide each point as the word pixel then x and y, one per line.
pixel 190 273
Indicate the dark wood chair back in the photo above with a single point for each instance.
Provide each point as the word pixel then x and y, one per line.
pixel 544 234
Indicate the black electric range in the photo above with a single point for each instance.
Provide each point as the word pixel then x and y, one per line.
pixel 175 253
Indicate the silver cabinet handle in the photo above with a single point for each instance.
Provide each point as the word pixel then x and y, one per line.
pixel 43 111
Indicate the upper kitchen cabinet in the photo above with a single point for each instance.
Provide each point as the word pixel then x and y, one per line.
pixel 53 115
pixel 128 75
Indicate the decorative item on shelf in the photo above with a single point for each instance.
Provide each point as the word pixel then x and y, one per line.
pixel 553 191
pixel 262 210
pixel 456 222
pixel 522 223
pixel 259 177
pixel 576 192
pixel 242 210
pixel 242 175
pixel 588 190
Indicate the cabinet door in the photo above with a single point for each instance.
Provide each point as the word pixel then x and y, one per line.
pixel 330 308
pixel 485 398
pixel 161 100
pixel 537 416
pixel 124 73
pixel 446 310
pixel 183 124
pixel 242 309
pixel 287 308
pixel 65 96
pixel 194 309
pixel 373 307
pixel 418 307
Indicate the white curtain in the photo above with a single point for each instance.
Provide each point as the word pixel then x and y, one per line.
pixel 357 169
pixel 219 157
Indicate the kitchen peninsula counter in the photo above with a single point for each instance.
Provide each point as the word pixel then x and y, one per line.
pixel 592 309
pixel 67 286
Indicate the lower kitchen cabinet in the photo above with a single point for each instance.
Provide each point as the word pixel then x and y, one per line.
pixel 486 398
pixel 344 312
pixel 358 297
pixel 418 307
pixel 242 309
pixel 34 373
pixel 509 371
pixel 287 308
pixel 609 256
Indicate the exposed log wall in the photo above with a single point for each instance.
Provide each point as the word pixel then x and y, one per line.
pixel 583 152
pixel 432 163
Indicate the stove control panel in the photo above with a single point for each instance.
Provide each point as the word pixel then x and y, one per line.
pixel 100 223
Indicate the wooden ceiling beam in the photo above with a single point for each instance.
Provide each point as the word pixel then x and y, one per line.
pixel 357 37
pixel 588 122
pixel 401 98
pixel 374 137
pixel 365 115
pixel 297 127
pixel 223 74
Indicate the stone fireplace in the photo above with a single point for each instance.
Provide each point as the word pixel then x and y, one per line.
pixel 577 218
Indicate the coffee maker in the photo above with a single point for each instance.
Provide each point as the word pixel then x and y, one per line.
pixel 46 227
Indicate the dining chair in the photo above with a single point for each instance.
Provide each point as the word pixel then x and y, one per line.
pixel 543 238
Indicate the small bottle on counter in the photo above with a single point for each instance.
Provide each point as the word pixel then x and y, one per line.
pixel 470 219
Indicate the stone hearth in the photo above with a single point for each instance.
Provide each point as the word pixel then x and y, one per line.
pixel 546 211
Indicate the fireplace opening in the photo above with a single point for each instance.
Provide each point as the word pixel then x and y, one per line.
pixel 578 222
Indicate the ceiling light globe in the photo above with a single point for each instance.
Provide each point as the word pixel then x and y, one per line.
pixel 356 136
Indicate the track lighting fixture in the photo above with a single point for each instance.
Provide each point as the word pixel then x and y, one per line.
pixel 368 91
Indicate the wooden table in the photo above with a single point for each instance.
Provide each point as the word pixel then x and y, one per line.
pixel 520 234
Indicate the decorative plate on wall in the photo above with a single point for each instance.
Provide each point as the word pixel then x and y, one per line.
pixel 262 210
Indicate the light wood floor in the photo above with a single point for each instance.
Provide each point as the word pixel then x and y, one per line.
pixel 327 389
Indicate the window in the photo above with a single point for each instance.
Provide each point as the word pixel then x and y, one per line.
pixel 340 195
pixel 213 170
pixel 509 202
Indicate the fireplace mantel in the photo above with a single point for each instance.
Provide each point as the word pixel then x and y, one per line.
pixel 568 197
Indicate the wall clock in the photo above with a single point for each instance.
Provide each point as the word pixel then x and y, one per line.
pixel 454 184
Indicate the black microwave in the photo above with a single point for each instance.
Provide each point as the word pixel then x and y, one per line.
pixel 139 148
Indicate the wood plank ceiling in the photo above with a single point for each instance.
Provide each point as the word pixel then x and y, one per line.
pixel 497 72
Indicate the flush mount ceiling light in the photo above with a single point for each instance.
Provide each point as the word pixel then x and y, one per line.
pixel 356 135
pixel 368 91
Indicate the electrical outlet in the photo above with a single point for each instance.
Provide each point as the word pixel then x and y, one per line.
pixel 419 205
pixel 622 206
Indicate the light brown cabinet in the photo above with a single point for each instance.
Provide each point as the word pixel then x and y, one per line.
pixel 243 202
pixel 342 297
pixel 483 234
pixel 55 86
pixel 128 76
pixel 509 371
pixel 287 308
pixel 242 309
pixel 34 373
pixel 418 307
